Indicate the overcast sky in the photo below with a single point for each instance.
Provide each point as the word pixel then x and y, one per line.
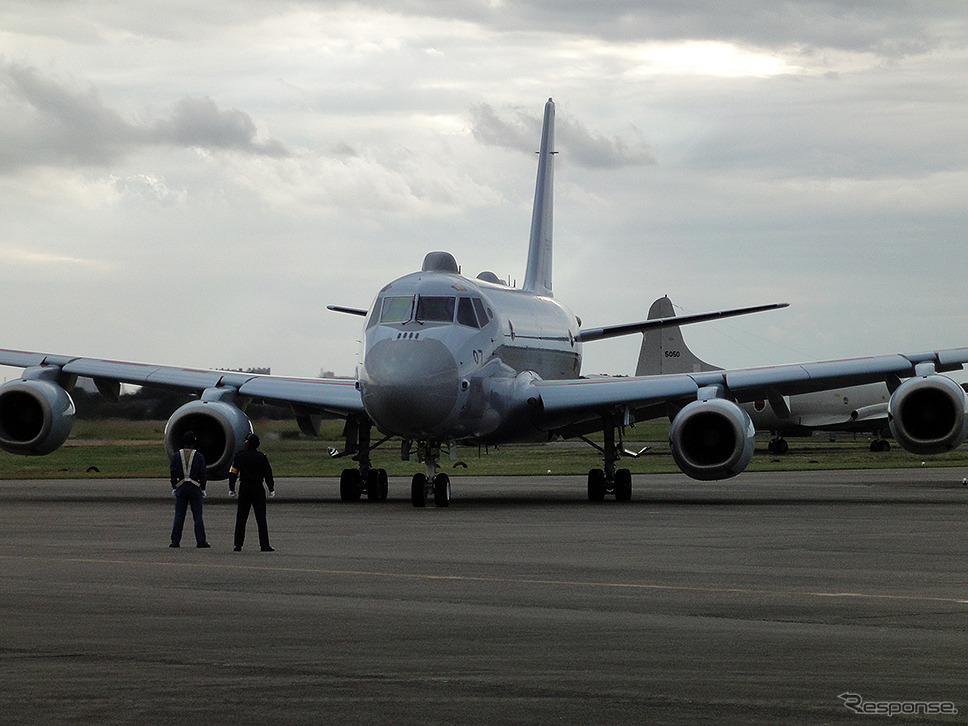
pixel 192 183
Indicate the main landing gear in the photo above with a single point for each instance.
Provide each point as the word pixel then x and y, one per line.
pixel 353 483
pixel 432 485
pixel 610 480
pixel 778 445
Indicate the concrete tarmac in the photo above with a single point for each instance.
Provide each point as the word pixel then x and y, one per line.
pixel 758 601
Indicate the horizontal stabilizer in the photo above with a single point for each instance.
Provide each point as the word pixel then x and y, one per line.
pixel 613 331
pixel 351 311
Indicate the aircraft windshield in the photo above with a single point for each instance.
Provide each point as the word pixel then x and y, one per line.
pixel 436 309
pixel 466 311
pixel 396 309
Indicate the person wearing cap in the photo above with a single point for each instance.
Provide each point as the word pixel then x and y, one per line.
pixel 189 473
pixel 251 468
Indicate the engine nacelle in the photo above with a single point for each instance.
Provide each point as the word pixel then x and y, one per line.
pixel 712 439
pixel 35 417
pixel 928 415
pixel 220 430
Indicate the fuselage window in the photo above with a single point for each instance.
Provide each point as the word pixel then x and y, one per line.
pixel 435 309
pixel 396 309
pixel 481 312
pixel 465 313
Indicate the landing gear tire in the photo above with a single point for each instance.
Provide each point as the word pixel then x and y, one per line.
pixel 350 485
pixel 623 485
pixel 596 485
pixel 441 490
pixel 779 446
pixel 880 445
pixel 418 490
pixel 377 486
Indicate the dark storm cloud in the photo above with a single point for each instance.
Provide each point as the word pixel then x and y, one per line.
pixel 43 122
pixel 520 130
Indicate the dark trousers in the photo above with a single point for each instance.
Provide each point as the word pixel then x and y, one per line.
pixel 254 496
pixel 188 495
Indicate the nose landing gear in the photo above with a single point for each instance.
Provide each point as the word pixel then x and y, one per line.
pixel 432 485
pixel 423 489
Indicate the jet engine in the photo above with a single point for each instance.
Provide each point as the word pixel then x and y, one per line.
pixel 712 439
pixel 928 414
pixel 36 417
pixel 220 430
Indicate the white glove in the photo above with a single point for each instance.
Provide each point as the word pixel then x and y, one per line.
pixel 272 494
pixel 204 493
pixel 231 492
pixel 173 492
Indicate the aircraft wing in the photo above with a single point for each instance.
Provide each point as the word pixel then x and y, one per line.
pixel 322 395
pixel 566 404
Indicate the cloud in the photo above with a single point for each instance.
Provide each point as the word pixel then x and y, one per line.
pixel 586 149
pixel 33 257
pixel 889 29
pixel 148 187
pixel 198 122
pixel 46 123
pixel 806 148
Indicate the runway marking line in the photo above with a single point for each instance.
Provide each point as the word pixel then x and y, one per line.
pixel 503 580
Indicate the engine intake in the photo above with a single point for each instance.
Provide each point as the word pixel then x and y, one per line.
pixel 220 430
pixel 928 415
pixel 712 439
pixel 36 417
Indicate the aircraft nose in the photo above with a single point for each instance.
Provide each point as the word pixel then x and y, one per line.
pixel 410 386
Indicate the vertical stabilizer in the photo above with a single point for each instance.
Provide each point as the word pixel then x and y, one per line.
pixel 537 277
pixel 664 350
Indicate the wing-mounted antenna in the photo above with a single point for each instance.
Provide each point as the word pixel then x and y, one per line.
pixel 537 277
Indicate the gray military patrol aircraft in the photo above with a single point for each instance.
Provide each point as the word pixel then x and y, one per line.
pixel 450 360
pixel 848 408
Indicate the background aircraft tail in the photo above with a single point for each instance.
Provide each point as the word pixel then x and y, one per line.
pixel 537 276
pixel 664 350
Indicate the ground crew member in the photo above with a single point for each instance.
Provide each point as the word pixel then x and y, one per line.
pixel 251 468
pixel 189 473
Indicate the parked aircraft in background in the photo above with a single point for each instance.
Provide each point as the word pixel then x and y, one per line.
pixel 449 360
pixel 849 408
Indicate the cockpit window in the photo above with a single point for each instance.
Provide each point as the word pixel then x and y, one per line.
pixel 481 313
pixel 396 309
pixel 465 313
pixel 435 309
pixel 469 311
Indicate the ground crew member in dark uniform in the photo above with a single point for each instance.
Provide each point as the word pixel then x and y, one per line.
pixel 189 473
pixel 251 468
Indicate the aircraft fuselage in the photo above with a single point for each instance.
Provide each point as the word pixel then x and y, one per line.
pixel 444 356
